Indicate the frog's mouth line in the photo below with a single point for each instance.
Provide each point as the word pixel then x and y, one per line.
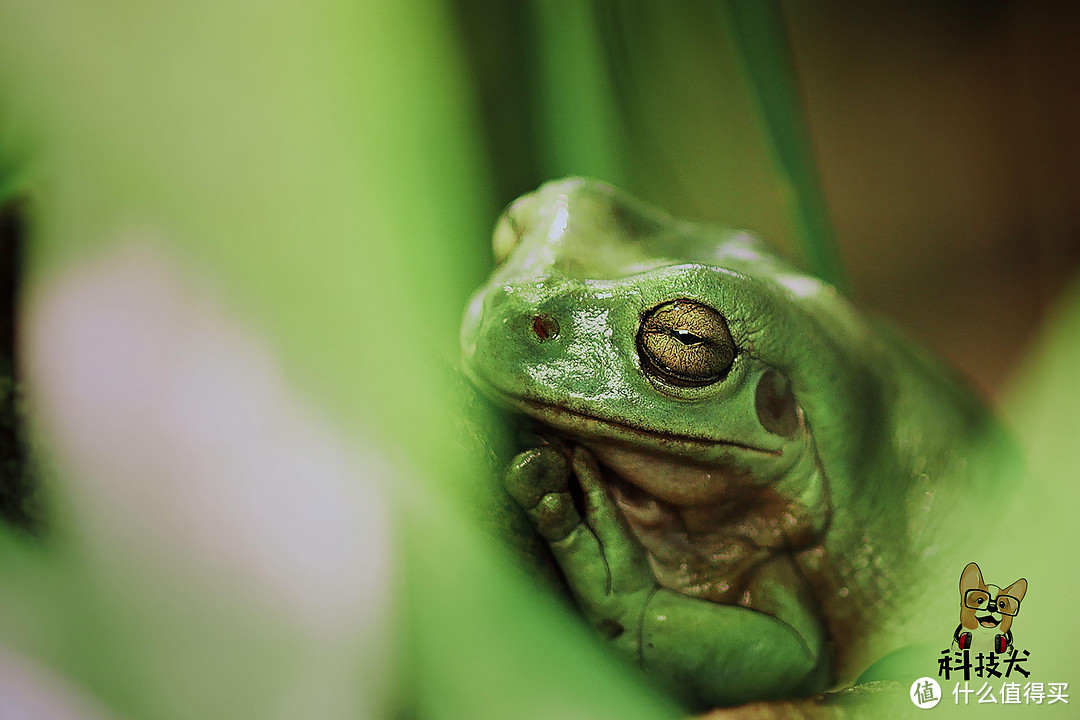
pixel 549 410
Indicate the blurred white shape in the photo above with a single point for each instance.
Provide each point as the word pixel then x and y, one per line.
pixel 801 286
pixel 30 692
pixel 179 436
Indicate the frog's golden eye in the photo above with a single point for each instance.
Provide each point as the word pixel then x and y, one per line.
pixel 686 343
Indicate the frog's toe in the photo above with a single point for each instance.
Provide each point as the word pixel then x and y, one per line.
pixel 536 472
pixel 555 515
pixel 538 480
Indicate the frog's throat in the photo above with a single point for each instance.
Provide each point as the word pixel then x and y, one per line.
pixel 574 421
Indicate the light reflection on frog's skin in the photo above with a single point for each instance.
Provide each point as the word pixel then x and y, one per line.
pixel 760 466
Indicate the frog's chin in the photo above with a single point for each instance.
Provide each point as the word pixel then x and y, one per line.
pixel 687 470
pixel 728 479
pixel 677 469
pixel 681 469
pixel 584 425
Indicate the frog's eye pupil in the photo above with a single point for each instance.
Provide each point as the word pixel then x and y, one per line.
pixel 685 343
pixel 687 338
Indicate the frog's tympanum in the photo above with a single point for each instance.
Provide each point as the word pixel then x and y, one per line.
pixel 739 474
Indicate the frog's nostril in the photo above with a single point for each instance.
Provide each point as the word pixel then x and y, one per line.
pixel 545 327
pixel 776 408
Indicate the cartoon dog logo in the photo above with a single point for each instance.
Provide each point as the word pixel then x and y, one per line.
pixel 986 613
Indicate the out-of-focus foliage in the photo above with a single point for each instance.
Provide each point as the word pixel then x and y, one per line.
pixel 1040 529
pixel 257 225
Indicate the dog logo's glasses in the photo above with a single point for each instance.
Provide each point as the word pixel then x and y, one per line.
pixel 980 600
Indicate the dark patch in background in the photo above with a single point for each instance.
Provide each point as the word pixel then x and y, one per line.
pixel 17 479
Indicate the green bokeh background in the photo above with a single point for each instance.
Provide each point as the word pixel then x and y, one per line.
pixel 333 169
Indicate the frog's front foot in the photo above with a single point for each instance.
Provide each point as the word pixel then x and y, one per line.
pixel 713 653
pixel 604 565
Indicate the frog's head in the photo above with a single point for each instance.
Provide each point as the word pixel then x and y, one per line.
pixel 643 336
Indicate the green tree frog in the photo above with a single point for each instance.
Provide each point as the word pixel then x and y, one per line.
pixel 739 474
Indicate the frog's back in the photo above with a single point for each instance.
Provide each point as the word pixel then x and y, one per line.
pixel 924 470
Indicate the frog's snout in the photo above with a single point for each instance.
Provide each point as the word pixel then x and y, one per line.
pixel 501 323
